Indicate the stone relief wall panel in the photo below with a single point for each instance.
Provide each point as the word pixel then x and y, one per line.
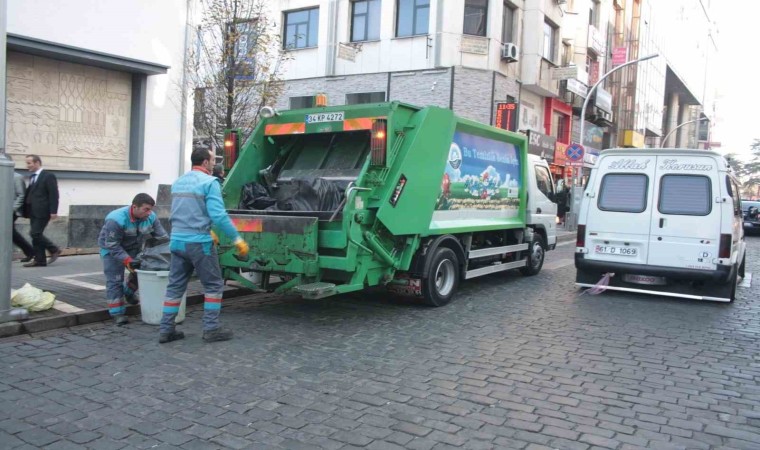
pixel 76 116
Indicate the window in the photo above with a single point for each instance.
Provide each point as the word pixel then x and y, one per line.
pixel 412 17
pixel 475 17
pixel 365 97
pixel 301 28
pixel 734 192
pixel 559 126
pixel 593 14
pixel 508 23
pixel 550 34
pixel 365 20
pixel 301 102
pixel 623 192
pixel 687 195
pixel 544 181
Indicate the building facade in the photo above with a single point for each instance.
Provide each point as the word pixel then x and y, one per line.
pixel 96 92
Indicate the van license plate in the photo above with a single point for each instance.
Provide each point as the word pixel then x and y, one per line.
pixel 612 250
pixel 324 117
pixel 644 279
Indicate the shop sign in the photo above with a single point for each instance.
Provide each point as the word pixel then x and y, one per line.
pixel 564 73
pixel 619 56
pixel 506 116
pixel 541 145
pixel 559 154
pixel 576 87
pixel 603 100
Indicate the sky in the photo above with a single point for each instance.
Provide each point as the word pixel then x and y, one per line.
pixel 737 75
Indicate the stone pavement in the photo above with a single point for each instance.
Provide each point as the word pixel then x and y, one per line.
pixel 513 362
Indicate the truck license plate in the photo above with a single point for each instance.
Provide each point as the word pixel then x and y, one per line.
pixel 644 279
pixel 613 250
pixel 324 117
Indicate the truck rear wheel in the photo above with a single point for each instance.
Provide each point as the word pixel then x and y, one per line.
pixel 535 259
pixel 442 278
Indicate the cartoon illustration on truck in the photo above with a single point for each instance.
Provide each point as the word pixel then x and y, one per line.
pixel 338 199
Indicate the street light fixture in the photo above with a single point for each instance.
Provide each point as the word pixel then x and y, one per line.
pixel 665 139
pixel 576 192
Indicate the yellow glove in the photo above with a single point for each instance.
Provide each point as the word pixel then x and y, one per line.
pixel 242 247
pixel 214 238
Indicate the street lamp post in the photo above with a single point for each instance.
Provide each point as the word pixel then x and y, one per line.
pixel 665 139
pixel 576 192
pixel 6 194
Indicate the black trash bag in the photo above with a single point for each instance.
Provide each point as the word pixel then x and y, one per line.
pixel 155 255
pixel 308 194
pixel 255 196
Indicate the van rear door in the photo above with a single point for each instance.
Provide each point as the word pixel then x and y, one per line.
pixel 619 209
pixel 686 219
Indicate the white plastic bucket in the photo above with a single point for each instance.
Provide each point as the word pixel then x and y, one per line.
pixel 152 294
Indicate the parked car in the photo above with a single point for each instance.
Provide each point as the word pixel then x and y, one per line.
pixel 750 211
pixel 664 222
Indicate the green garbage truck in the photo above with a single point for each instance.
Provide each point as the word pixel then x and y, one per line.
pixel 341 198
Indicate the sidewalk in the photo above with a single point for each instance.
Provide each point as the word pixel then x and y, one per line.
pixel 79 287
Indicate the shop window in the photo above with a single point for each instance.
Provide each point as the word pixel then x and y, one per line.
pixel 301 28
pixel 365 20
pixel 475 17
pixel 412 17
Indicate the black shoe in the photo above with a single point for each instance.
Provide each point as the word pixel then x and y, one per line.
pixel 217 335
pixel 26 259
pixel 120 320
pixel 54 256
pixel 163 338
pixel 34 264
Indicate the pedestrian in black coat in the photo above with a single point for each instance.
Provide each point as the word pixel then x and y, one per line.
pixel 41 205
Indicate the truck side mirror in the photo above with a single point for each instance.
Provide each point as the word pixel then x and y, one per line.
pixel 552 197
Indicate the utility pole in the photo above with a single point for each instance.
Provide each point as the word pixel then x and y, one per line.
pixel 577 188
pixel 7 193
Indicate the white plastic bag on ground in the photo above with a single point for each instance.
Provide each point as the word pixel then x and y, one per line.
pixel 32 298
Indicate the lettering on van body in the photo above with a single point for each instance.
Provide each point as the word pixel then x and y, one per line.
pixel 629 164
pixel 672 164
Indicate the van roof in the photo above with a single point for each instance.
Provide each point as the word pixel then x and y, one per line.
pixel 659 151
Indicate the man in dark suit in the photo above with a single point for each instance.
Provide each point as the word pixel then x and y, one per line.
pixel 40 205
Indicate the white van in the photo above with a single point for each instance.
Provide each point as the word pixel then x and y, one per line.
pixel 663 221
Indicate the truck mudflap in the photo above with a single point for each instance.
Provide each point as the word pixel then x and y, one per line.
pixel 277 243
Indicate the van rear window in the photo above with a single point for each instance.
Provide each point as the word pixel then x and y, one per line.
pixel 623 192
pixel 687 195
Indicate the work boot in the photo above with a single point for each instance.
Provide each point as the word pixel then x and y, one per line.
pixel 163 338
pixel 217 335
pixel 120 320
pixel 132 299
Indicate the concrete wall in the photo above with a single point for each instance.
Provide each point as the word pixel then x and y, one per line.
pixel 147 30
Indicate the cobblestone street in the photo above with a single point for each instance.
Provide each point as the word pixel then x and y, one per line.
pixel 512 363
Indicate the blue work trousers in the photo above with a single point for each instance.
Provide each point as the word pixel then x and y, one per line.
pixel 203 258
pixel 116 287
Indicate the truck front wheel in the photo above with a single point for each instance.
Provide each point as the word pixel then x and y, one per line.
pixel 442 278
pixel 535 259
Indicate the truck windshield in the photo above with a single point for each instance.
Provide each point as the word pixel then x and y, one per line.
pixel 330 156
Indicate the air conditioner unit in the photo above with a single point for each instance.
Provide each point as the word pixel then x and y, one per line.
pixel 509 52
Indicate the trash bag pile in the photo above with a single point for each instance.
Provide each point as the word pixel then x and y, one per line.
pixel 32 298
pixel 298 194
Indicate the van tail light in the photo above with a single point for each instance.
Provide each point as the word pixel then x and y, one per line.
pixel 580 241
pixel 725 246
pixel 378 142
